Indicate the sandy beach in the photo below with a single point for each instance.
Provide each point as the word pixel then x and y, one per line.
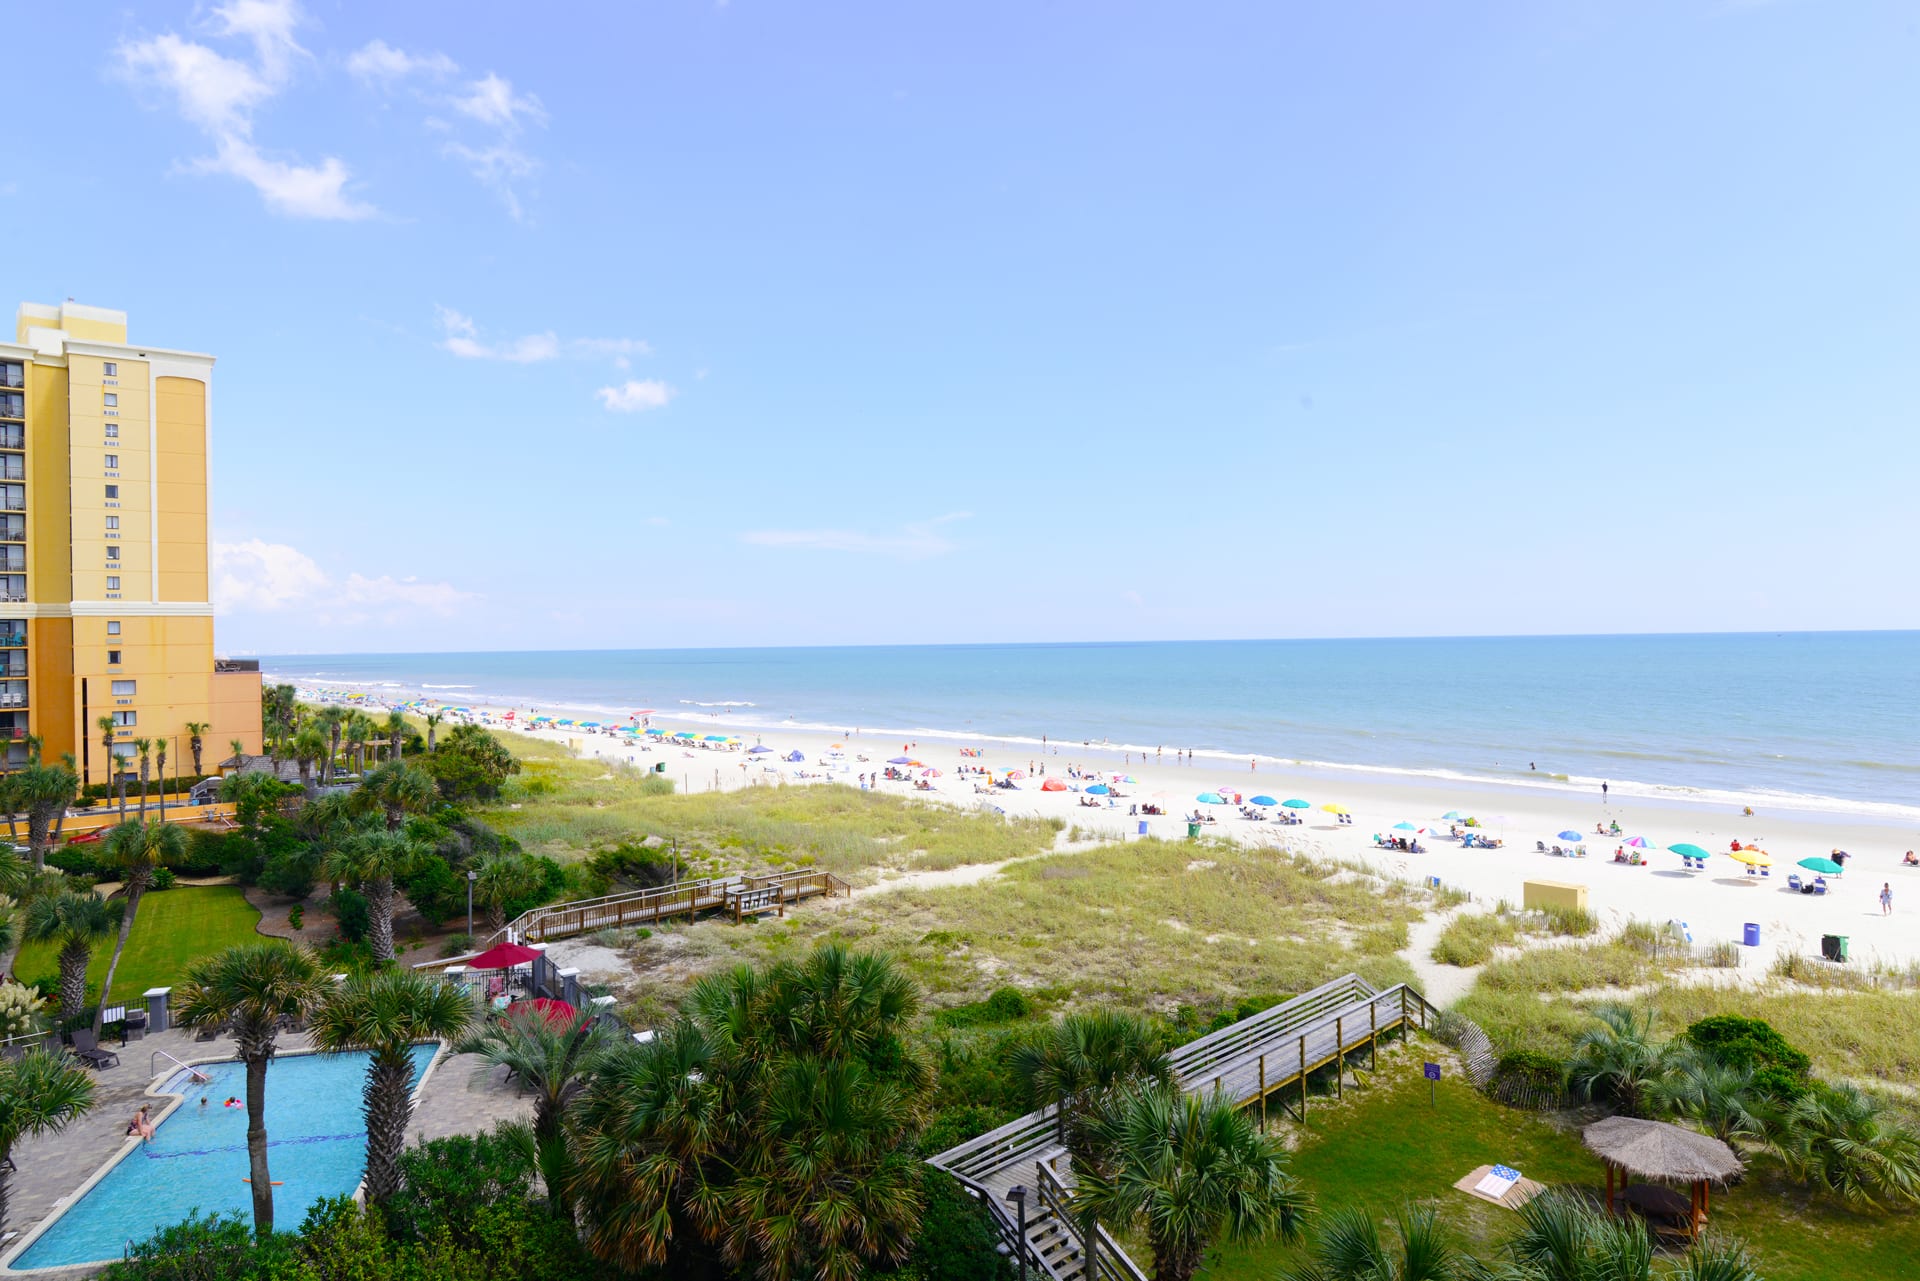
pixel 1715 905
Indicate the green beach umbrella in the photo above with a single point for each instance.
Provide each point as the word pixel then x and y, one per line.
pixel 1405 827
pixel 1451 816
pixel 1295 803
pixel 1825 866
pixel 1688 851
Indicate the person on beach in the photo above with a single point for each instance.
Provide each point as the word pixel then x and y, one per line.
pixel 1886 898
pixel 1603 791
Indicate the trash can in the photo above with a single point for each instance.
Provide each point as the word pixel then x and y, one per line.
pixel 1193 831
pixel 1752 935
pixel 660 767
pixel 1833 947
pixel 1143 827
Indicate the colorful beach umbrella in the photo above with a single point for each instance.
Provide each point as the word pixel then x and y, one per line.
pixel 1638 843
pixel 657 732
pixel 1016 773
pixel 1295 803
pixel 1688 851
pixel 686 733
pixel 1825 866
pixel 1263 800
pixel 1211 798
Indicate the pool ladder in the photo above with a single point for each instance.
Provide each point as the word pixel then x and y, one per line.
pixel 192 1071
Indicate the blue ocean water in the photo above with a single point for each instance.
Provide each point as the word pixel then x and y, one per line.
pixel 1826 719
pixel 197 1160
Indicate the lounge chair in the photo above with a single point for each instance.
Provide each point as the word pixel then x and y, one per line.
pixel 1541 846
pixel 86 1048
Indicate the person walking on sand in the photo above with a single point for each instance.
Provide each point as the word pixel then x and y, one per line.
pixel 1886 898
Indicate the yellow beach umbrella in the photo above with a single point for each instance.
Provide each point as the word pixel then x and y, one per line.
pixel 1334 809
pixel 1752 858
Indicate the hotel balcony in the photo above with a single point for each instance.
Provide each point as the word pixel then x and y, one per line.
pixel 13 695
pixel 13 666
pixel 12 467
pixel 13 560
pixel 13 404
pixel 13 529
pixel 12 436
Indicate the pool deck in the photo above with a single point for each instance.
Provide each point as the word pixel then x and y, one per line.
pixel 461 1096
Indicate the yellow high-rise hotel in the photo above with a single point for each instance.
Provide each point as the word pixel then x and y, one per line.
pixel 104 603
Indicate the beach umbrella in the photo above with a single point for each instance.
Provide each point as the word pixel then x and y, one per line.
pixel 1099 789
pixel 796 757
pixel 1211 798
pixel 1752 858
pixel 503 956
pixel 1053 785
pixel 1451 816
pixel 929 773
pixel 1825 866
pixel 1638 842
pixel 1263 800
pixel 1334 809
pixel 657 733
pixel 1295 803
pixel 758 750
pixel 715 738
pixel 1016 773
pixel 554 1011
pixel 1405 827
pixel 686 733
pixel 1688 851
pixel 565 721
pixel 1569 835
pixel 899 760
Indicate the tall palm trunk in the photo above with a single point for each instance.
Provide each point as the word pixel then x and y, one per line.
pixel 136 886
pixel 380 901
pixel 146 766
pixel 333 752
pixel 37 836
pixel 389 1106
pixel 120 776
pixel 73 979
pixel 256 1057
pixel 161 764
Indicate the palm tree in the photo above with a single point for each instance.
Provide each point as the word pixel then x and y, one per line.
pixel 309 748
pixel 1622 1059
pixel 196 731
pixel 109 736
pixel 385 1013
pixel 1717 1097
pixel 359 728
pixel 1841 1140
pixel 46 791
pixel 555 1059
pixel 41 1092
pixel 75 923
pixel 373 859
pixel 396 734
pixel 500 879
pixel 433 723
pixel 238 748
pixel 1565 1237
pixel 1350 1249
pixel 1085 1059
pixel 160 768
pixel 136 848
pixel 333 721
pixel 252 986
pixel 1189 1169
pixel 397 789
pixel 144 746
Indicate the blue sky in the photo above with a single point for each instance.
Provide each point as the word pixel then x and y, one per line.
pixel 692 323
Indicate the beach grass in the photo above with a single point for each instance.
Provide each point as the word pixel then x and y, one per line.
pixel 1386 1145
pixel 1472 937
pixel 175 927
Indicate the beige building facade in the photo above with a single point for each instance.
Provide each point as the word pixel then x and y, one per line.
pixel 104 600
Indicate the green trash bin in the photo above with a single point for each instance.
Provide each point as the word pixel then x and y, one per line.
pixel 1193 831
pixel 1833 947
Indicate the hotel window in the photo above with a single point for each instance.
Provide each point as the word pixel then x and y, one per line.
pixel 113 431
pixel 113 522
pixel 113 551
pixel 113 492
pixel 112 398
pixel 109 369
pixel 126 718
pixel 125 689
pixel 113 627
pixel 113 462
pixel 113 658
pixel 113 582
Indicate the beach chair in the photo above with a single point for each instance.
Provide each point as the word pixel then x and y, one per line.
pixel 1793 883
pixel 1819 888
pixel 1765 870
pixel 87 1049
pixel 1541 846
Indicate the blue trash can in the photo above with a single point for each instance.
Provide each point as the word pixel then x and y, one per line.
pixel 1752 938
pixel 1143 827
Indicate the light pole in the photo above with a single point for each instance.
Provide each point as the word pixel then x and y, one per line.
pixel 472 876
pixel 1018 1195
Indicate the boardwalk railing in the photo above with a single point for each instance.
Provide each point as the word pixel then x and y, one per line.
pixel 1275 1051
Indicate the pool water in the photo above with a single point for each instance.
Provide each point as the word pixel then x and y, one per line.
pixel 197 1161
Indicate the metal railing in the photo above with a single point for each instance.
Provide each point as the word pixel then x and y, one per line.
pixel 191 1070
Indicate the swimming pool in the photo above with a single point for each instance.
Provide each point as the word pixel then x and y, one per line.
pixel 197 1161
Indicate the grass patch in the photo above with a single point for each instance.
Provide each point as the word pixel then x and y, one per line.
pixel 1387 1145
pixel 175 927
pixel 1569 969
pixel 1470 939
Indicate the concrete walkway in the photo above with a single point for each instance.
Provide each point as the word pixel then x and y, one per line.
pixel 460 1097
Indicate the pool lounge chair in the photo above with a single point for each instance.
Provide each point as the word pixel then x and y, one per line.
pixel 87 1049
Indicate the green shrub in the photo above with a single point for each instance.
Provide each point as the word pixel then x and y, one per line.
pixel 162 879
pixel 351 910
pixel 433 889
pixel 455 944
pixel 1005 1005
pixel 297 916
pixel 76 860
pixel 1529 1078
pixel 957 1239
pixel 1780 1070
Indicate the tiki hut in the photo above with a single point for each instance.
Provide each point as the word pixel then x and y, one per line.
pixel 1656 1150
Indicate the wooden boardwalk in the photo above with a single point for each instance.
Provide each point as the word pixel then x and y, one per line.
pixel 1261 1061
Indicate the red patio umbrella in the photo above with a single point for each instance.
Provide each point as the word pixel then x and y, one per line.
pixel 555 1011
pixel 504 956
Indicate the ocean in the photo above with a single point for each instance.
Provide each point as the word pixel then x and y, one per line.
pixel 1827 720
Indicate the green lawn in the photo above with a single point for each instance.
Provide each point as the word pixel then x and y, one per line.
pixel 1385 1145
pixel 175 927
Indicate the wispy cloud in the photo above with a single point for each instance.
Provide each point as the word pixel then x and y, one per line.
pixel 636 395
pixel 219 94
pixel 379 63
pixel 918 540
pixel 255 576
pixel 490 103
pixel 460 335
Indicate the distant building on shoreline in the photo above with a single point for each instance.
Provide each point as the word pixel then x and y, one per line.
pixel 104 602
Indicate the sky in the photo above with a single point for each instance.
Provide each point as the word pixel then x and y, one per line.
pixel 685 323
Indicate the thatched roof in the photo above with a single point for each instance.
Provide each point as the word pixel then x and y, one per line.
pixel 1656 1150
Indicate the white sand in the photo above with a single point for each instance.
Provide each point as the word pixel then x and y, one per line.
pixel 1714 904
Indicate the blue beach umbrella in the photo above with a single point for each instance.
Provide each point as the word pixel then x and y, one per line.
pixel 1211 798
pixel 1099 789
pixel 716 738
pixel 1262 800
pixel 1295 803
pixel 1451 816
pixel 899 760
pixel 1405 827
pixel 1569 835
pixel 759 750
pixel 657 733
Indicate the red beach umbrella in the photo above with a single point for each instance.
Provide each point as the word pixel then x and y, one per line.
pixel 554 1011
pixel 503 957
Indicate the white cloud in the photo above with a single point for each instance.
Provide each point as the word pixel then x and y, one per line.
pixel 500 164
pixel 219 94
pixel 462 338
pixel 498 167
pixel 379 63
pixel 636 395
pixel 256 576
pixel 918 540
pixel 492 101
